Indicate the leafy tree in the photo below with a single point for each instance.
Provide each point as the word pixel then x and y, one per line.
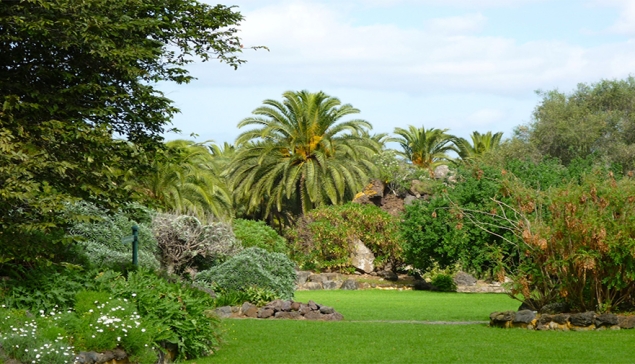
pixel 187 181
pixel 481 144
pixel 75 73
pixel 301 155
pixel 426 148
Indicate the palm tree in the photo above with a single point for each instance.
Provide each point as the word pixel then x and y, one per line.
pixel 481 144
pixel 300 155
pixel 187 180
pixel 426 148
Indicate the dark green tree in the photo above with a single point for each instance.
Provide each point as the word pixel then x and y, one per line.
pixel 74 74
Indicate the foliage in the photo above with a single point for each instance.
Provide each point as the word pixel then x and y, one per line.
pixel 322 238
pixel 258 234
pixel 100 237
pixel 301 156
pixel 426 148
pixel 182 239
pixel 481 144
pixel 396 173
pixel 181 312
pixel 253 267
pixel 594 118
pixel 253 294
pixel 578 243
pixel 444 282
pixel 72 75
pixel 186 179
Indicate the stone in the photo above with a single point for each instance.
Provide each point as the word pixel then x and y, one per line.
pixel 276 305
pixel 362 258
pixel 409 200
pixel 326 310
pixel 464 279
pixel 605 319
pixel 499 317
pixel 524 316
pixel 349 284
pixel 422 285
pixel 626 322
pixel 332 276
pixel 545 319
pixel 582 319
pixel 119 354
pixel 375 188
pixel 313 306
pixel 283 315
pixel 286 306
pixel 561 318
pixel 316 278
pixel 335 316
pixel 441 172
pixel 304 309
pixel 246 307
pixel 313 315
pixel 265 313
pixel 331 284
pixel 107 356
pixel 224 312
pixel 388 275
pixel 301 277
pixel 295 306
pixel 554 308
pixel 312 286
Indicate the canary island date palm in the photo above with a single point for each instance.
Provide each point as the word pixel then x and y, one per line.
pixel 188 180
pixel 481 144
pixel 301 155
pixel 426 148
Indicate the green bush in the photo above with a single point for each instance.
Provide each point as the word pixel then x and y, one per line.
pixel 444 283
pixel 258 234
pixel 253 267
pixel 100 236
pixel 322 238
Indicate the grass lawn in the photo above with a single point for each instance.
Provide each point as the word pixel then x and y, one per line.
pixel 360 339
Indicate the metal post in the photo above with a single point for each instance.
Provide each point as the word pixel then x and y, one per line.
pixel 135 245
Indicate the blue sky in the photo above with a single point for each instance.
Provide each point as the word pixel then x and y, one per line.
pixel 465 65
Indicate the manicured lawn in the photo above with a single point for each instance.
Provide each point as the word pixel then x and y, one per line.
pixel 356 341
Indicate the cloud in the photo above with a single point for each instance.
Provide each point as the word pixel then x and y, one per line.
pixel 457 24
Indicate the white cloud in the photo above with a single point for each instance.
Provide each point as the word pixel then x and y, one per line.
pixel 457 24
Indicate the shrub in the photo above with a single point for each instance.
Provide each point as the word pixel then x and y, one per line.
pixel 182 239
pixel 322 238
pixel 100 235
pixel 578 242
pixel 258 234
pixel 444 282
pixel 253 267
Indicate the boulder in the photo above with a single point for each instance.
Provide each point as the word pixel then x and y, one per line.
pixel 224 312
pixel 286 306
pixel 331 276
pixel 313 306
pixel 554 308
pixel 582 319
pixel 302 277
pixel 409 200
pixel 626 322
pixel 248 309
pixel 283 315
pixel 606 319
pixel 375 188
pixel 304 309
pixel 331 284
pixel 318 278
pixel 312 286
pixel 561 318
pixel 524 317
pixel 313 315
pixel 295 306
pixel 349 284
pixel 326 310
pixel 265 313
pixel 502 317
pixel 441 172
pixel 335 316
pixel 362 258
pixel 388 275
pixel 464 279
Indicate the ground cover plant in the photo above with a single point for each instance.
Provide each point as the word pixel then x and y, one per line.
pixel 360 338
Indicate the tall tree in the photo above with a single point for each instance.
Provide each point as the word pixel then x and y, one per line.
pixel 426 148
pixel 301 154
pixel 481 144
pixel 73 74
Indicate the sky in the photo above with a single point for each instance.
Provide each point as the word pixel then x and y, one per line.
pixel 462 65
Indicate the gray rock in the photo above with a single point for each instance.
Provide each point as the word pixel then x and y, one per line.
pixel 318 278
pixel 313 315
pixel 582 319
pixel 286 306
pixel 326 310
pixel 275 305
pixel 504 316
pixel 545 319
pixel 313 306
pixel 524 316
pixel 362 258
pixel 626 322
pixel 605 319
pixel 554 308
pixel 265 313
pixel 441 172
pixel 302 276
pixel 248 309
pixel 335 316
pixel 561 318
pixel 312 286
pixel 332 276
pixel 388 275
pixel 283 315
pixel 295 306
pixel 224 312
pixel 119 354
pixel 349 284
pixel 464 279
pixel 304 309
pixel 409 200
pixel 331 284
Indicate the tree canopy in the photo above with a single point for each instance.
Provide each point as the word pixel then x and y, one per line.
pixel 73 76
